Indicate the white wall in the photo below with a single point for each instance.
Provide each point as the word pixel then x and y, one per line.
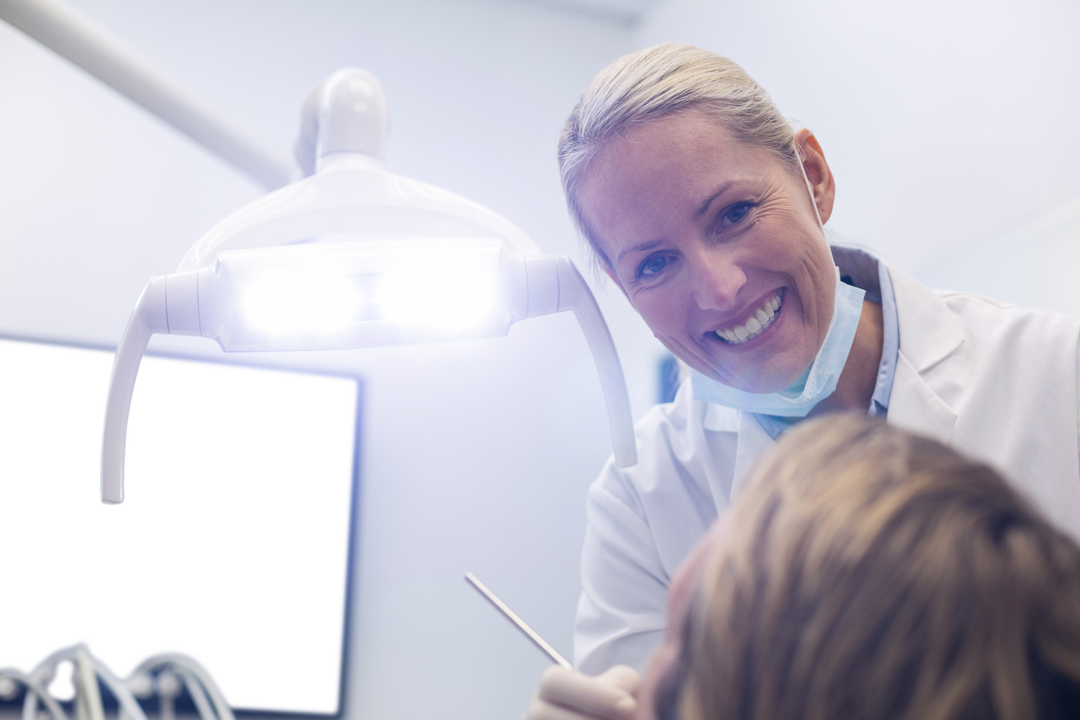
pixel 1034 261
pixel 476 455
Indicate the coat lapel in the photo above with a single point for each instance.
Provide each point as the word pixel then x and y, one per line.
pixel 929 330
pixel 916 407
pixel 929 334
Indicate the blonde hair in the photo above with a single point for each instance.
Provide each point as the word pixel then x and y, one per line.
pixel 654 83
pixel 871 573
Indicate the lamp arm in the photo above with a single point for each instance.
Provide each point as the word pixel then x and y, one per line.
pixel 148 318
pixel 574 294
pixel 75 37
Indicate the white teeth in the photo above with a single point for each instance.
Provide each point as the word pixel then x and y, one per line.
pixel 755 324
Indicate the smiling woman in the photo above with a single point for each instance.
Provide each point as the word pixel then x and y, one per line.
pixel 707 210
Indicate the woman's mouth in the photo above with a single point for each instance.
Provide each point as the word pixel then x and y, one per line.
pixel 754 325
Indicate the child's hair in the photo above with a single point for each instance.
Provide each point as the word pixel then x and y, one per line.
pixel 867 572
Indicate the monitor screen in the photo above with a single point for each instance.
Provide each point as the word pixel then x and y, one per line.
pixel 232 545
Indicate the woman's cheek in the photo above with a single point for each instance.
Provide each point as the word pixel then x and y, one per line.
pixel 656 308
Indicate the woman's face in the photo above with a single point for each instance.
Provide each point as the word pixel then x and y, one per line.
pixel 716 244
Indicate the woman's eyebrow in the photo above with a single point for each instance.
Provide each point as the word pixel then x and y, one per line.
pixel 704 208
pixel 649 245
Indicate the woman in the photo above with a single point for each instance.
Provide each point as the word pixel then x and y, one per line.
pixel 707 210
pixel 870 573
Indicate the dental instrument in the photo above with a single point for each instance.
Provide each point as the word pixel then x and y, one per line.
pixel 521 624
pixel 352 257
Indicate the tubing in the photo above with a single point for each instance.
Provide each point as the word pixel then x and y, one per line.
pixel 148 318
pixel 35 691
pixel 86 665
pixel 190 667
pixel 75 37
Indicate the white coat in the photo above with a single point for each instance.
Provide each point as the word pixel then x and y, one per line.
pixel 998 382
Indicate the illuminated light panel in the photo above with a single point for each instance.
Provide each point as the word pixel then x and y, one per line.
pixel 300 303
pixel 447 293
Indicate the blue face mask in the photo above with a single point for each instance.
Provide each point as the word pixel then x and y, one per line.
pixel 819 380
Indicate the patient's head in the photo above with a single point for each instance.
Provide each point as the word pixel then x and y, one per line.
pixel 869 573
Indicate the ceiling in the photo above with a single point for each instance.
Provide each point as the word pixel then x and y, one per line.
pixel 627 12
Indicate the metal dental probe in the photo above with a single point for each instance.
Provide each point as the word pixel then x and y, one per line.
pixel 521 624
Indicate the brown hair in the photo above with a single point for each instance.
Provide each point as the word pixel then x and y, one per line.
pixel 657 82
pixel 871 573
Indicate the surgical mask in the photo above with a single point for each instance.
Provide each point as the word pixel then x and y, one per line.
pixel 819 380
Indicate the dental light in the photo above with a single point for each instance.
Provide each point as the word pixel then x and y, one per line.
pixel 353 257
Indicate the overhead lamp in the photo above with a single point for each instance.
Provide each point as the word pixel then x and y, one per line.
pixel 354 257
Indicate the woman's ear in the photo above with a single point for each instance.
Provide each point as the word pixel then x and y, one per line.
pixel 818 173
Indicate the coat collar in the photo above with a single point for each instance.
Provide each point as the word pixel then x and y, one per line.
pixel 929 333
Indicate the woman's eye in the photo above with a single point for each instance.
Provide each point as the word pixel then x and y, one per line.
pixel 737 213
pixel 653 265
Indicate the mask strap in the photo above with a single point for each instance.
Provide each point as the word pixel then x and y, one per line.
pixel 813 204
pixel 809 189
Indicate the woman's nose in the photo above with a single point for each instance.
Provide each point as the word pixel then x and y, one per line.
pixel 716 282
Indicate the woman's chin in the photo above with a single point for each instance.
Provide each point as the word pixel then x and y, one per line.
pixel 753 377
pixel 763 383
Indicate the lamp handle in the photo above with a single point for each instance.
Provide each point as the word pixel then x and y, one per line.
pixel 148 318
pixel 574 294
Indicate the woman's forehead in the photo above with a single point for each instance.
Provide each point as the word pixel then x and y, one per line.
pixel 689 140
pixel 664 171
